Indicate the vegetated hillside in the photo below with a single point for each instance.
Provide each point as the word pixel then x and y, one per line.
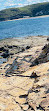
pixel 29 10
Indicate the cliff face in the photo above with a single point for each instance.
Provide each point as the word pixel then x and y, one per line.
pixel 27 11
pixel 24 86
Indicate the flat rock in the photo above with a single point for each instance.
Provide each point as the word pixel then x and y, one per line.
pixel 23 93
pixel 18 91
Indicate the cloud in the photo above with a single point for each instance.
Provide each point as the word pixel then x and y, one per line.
pixel 29 0
pixel 6 3
pixel 19 0
pixel 20 4
pixel 10 4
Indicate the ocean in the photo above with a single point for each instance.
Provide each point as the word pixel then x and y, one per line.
pixel 24 28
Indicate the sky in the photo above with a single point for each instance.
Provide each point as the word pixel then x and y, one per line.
pixel 18 3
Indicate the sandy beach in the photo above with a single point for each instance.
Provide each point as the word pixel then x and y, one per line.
pixel 30 17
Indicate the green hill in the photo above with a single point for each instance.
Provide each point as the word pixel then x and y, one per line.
pixel 29 10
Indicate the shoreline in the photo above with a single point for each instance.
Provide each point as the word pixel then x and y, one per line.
pixel 20 38
pixel 28 18
pixel 24 51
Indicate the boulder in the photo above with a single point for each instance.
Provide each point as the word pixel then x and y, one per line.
pixel 33 75
pixel 48 39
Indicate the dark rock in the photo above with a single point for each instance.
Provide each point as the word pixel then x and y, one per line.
pixel 41 108
pixel 43 57
pixel 7 75
pixel 10 47
pixel 5 55
pixel 4 50
pixel 31 65
pixel 35 62
pixel 2 74
pixel 47 91
pixel 36 91
pixel 23 96
pixel 48 39
pixel 44 47
pixel 7 51
pixel 11 53
pixel 48 50
pixel 33 75
pixel 28 47
pixel 4 61
pixel 15 46
pixel 23 49
pixel 1 48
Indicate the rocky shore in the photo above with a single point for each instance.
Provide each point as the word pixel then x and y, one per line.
pixel 24 74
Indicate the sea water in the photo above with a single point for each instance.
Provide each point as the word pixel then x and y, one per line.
pixel 24 27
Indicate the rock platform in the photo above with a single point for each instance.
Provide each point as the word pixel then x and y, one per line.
pixel 24 77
